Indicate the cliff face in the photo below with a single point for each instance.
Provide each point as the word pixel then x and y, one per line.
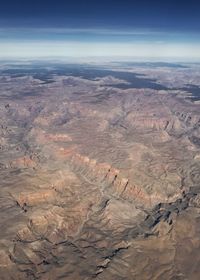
pixel 98 182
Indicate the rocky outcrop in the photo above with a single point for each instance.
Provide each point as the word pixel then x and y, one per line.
pixel 111 178
pixel 24 162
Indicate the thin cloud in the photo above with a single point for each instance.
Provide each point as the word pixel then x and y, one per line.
pixel 81 30
pixel 92 31
pixel 84 49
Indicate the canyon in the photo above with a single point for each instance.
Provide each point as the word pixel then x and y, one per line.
pixel 100 179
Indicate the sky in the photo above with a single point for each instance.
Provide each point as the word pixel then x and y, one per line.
pixel 142 28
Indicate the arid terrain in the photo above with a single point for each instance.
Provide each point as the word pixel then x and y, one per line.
pixel 99 171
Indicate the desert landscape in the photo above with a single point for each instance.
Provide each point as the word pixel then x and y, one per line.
pixel 100 171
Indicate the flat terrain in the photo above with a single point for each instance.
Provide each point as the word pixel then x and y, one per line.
pixel 99 171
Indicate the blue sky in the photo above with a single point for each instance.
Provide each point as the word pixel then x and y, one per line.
pixel 82 28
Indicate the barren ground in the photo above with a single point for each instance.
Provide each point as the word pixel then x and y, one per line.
pixel 100 172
